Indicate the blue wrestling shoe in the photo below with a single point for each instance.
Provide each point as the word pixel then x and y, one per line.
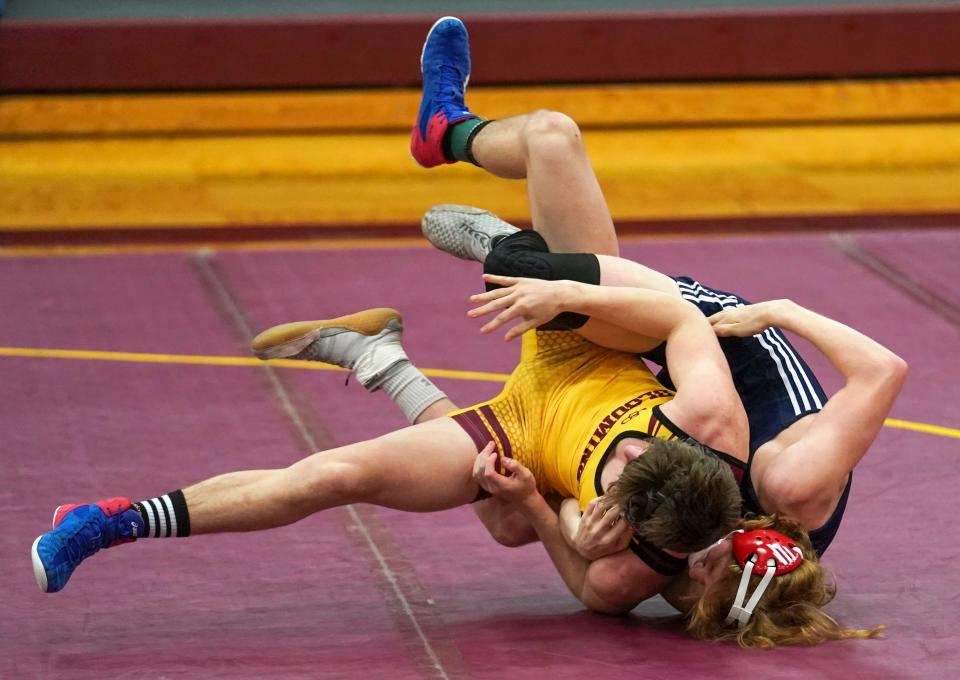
pixel 78 532
pixel 445 65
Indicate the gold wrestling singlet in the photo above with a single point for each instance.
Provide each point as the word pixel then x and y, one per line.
pixel 564 404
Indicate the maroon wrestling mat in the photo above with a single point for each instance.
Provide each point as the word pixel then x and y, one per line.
pixel 362 592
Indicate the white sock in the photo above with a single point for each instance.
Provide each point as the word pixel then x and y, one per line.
pixel 409 389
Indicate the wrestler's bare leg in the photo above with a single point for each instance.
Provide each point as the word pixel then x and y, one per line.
pixel 422 468
pixel 545 147
pixel 438 409
pixel 369 344
pixel 566 202
pixel 506 525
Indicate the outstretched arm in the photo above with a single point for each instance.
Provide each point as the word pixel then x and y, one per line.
pixel 806 478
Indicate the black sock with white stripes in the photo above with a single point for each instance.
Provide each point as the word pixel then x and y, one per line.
pixel 165 516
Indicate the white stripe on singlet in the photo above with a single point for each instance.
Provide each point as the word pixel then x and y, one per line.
pixel 783 374
pixel 788 365
pixel 777 334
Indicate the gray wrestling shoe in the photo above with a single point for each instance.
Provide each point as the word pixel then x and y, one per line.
pixel 367 343
pixel 464 231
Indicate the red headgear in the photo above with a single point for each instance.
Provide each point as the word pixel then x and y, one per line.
pixel 768 553
pixel 767 545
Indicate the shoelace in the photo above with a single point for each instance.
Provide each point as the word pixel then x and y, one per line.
pixel 78 549
pixel 451 78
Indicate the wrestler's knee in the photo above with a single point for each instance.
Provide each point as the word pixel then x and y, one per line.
pixel 551 133
pixel 331 482
pixel 524 253
pixel 546 122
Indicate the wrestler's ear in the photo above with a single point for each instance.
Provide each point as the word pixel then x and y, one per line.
pixel 698 572
pixel 633 451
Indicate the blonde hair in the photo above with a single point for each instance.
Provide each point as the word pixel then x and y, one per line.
pixel 789 613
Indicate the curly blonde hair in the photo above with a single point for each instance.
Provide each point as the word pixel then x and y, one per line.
pixel 789 613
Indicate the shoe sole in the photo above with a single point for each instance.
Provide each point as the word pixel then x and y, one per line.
pixel 39 572
pixel 289 339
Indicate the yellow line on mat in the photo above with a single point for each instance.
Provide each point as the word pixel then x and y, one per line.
pixel 207 360
pixel 922 427
pixel 92 250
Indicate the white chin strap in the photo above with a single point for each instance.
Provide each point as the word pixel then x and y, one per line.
pixel 695 557
pixel 740 612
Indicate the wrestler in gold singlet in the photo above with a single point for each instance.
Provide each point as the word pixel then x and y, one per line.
pixel 565 403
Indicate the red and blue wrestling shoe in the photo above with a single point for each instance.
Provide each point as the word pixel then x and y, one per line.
pixel 445 65
pixel 78 532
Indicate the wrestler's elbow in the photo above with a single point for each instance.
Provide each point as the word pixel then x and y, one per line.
pixel 609 596
pixel 804 498
pixel 895 369
pixel 881 371
pixel 611 604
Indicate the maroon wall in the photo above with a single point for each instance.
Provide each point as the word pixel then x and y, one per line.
pixel 527 48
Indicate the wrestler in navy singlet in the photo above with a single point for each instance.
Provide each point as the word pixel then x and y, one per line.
pixel 775 384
